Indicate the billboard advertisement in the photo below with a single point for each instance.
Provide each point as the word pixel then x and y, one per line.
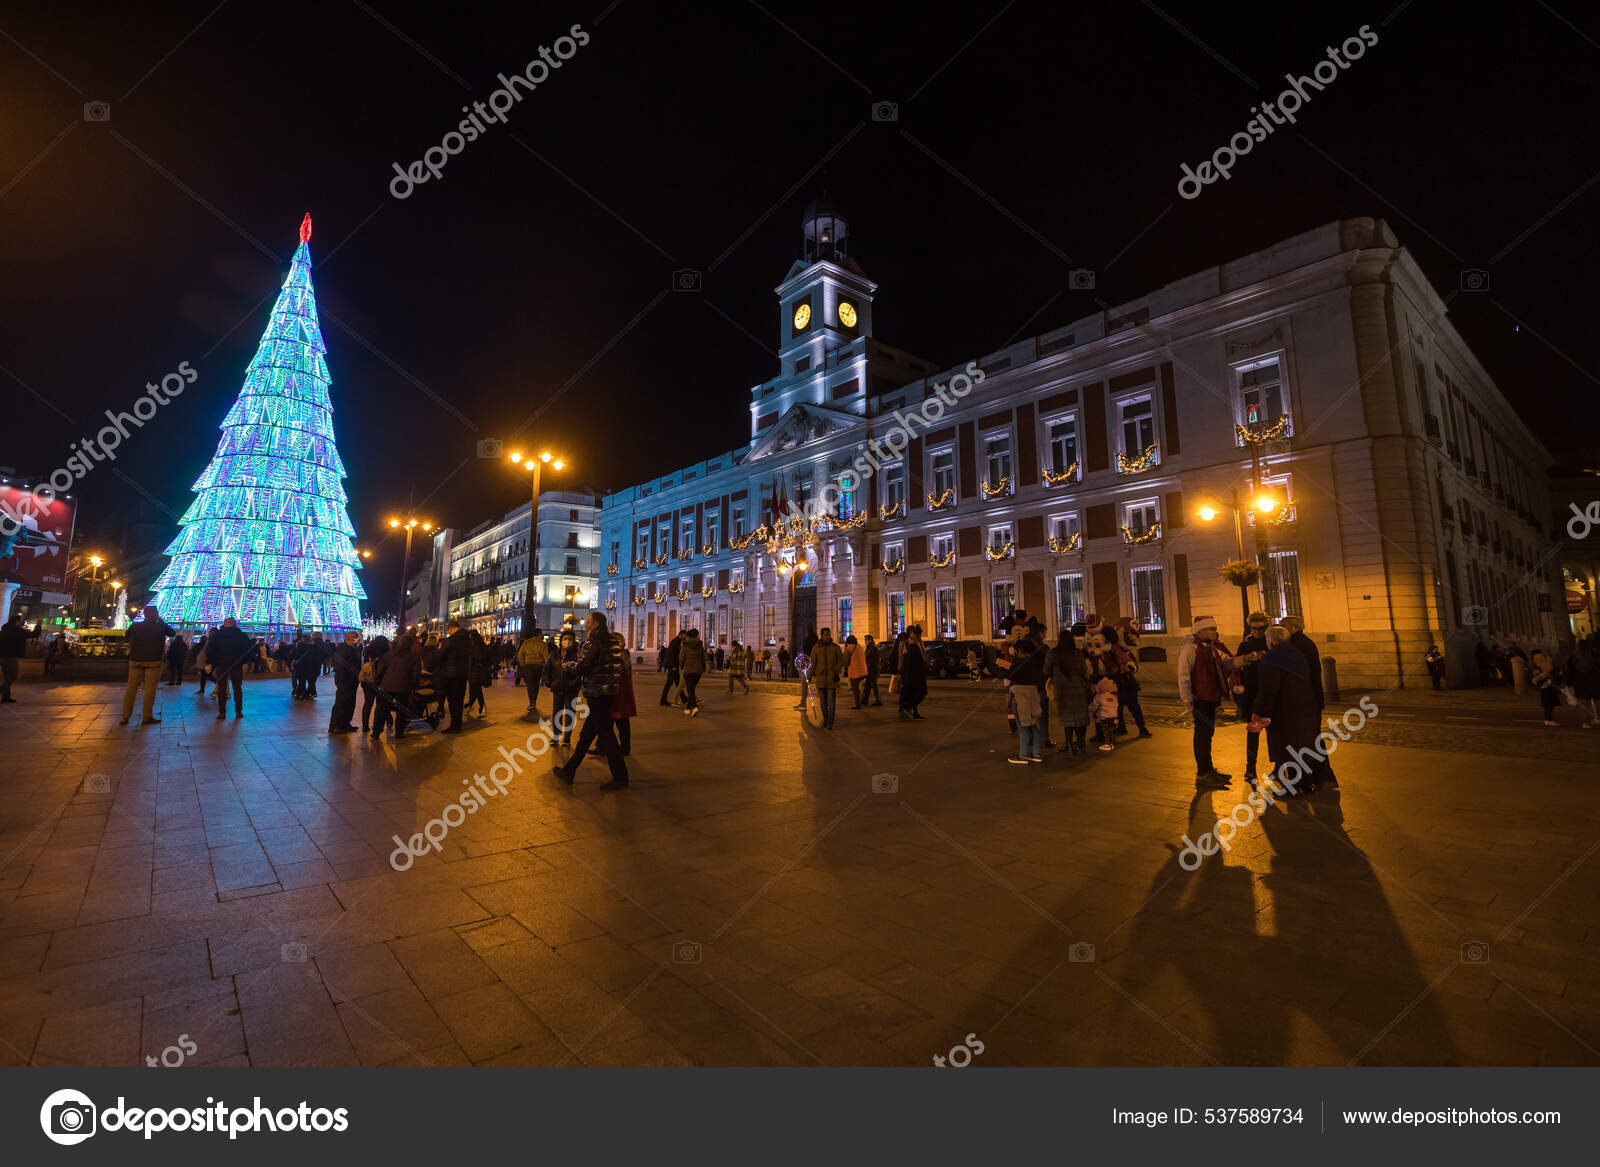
pixel 35 534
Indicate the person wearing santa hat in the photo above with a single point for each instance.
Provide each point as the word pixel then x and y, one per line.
pixel 1203 683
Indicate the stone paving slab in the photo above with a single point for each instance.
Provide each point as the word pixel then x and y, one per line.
pixel 752 900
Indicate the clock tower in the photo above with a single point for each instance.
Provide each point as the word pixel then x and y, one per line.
pixel 824 306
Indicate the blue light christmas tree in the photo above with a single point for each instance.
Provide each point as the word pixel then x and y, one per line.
pixel 267 540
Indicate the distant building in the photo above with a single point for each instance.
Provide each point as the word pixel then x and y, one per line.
pixel 488 576
pixel 1096 468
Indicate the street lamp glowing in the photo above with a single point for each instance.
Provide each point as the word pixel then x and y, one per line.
pixel 1265 503
pixel 366 555
pixel 96 560
pixel 1207 513
pixel 545 457
pixel 394 522
pixel 427 526
pixel 516 455
pixel 558 464
pixel 115 584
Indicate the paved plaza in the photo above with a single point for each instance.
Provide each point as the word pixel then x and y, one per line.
pixel 221 893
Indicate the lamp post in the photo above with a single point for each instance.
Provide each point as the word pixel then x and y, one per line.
pixel 405 564
pixel 534 466
pixel 574 594
pixel 116 586
pixel 92 605
pixel 1263 503
pixel 793 572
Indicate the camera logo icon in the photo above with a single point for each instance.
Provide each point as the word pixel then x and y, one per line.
pixel 293 952
pixel 885 111
pixel 1081 279
pixel 1475 616
pixel 687 279
pixel 97 111
pixel 885 783
pixel 1475 952
pixel 686 952
pixel 68 1117
pixel 490 447
pixel 1474 279
pixel 97 784
pixel 1081 953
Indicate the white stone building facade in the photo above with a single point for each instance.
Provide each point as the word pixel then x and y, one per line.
pixel 1069 476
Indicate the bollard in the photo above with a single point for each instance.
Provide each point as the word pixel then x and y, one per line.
pixel 1330 679
pixel 1519 675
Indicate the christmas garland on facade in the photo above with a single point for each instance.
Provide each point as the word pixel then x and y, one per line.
pixel 1051 478
pixel 996 489
pixel 944 500
pixel 1150 457
pixel 1005 552
pixel 944 560
pixel 1072 542
pixel 1138 538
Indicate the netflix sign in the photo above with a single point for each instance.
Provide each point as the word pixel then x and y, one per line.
pixel 35 533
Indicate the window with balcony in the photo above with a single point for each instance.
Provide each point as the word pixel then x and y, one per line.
pixel 943 546
pixel 894 485
pixel 1000 540
pixel 1066 532
pixel 1063 441
pixel 997 456
pixel 1262 397
pixel 1141 521
pixel 943 464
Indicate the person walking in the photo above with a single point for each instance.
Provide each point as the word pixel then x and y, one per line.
pixel 561 681
pixel 1202 684
pixel 531 656
pixel 376 650
pixel 1026 680
pixel 55 649
pixel 1251 649
pixel 1547 680
pixel 177 653
pixel 202 662
pixel 1285 707
pixel 1306 647
pixel 720 658
pixel 1434 660
pixel 14 637
pixel 478 669
pixel 670 658
pixel 452 666
pixel 783 661
pixel 147 644
pixel 855 664
pixel 228 650
pixel 347 666
pixel 691 664
pixel 913 674
pixel 624 708
pixel 869 682
pixel 398 675
pixel 737 668
pixel 827 659
pixel 599 672
pixel 1067 682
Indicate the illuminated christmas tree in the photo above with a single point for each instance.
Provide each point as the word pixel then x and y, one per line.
pixel 267 540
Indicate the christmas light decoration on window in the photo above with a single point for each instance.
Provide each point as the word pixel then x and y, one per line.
pixel 267 540
pixel 709 549
pixel 1051 478
pixel 1139 536
pixel 943 500
pixel 685 553
pixel 1059 545
pixel 638 601
pixel 996 554
pixel 742 541
pixel 1143 461
pixel 893 511
pixel 611 568
pixel 894 568
pixel 996 489
pixel 709 590
pixel 1253 433
pixel 640 564
pixel 611 605
pixel 736 587
pixel 944 560
pixel 661 560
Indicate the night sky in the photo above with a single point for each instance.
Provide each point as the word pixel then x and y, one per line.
pixel 532 278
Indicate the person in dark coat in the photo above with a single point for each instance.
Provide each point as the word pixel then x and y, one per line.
pixel 346 680
pixel 869 685
pixel 1307 648
pixel 1285 705
pixel 561 680
pixel 14 637
pixel 452 667
pixel 198 658
pixel 599 672
pixel 1066 673
pixel 227 652
pixel 692 661
pixel 478 671
pixel 1247 660
pixel 913 676
pixel 669 661
pixel 177 653
pixel 1434 660
pixel 399 673
pixel 375 652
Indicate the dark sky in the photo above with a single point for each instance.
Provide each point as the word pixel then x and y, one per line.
pixel 1032 138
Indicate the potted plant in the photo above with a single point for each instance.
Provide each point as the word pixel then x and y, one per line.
pixel 1241 573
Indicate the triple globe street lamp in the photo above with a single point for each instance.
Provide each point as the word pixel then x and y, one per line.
pixel 410 524
pixel 1262 503
pixel 535 467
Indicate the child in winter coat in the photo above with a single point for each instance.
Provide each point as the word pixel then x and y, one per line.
pixel 974 665
pixel 1103 708
pixel 1547 679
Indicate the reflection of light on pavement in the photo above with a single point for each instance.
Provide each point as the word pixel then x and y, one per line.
pixel 1266 917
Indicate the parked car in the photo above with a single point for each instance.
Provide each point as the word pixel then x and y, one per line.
pixel 948 658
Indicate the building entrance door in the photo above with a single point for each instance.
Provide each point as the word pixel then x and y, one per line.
pixel 804 618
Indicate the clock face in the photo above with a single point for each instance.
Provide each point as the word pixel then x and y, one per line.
pixel 802 316
pixel 847 314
